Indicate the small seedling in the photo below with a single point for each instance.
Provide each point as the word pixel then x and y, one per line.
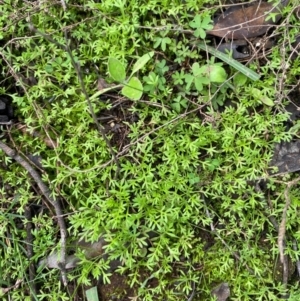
pixel 132 86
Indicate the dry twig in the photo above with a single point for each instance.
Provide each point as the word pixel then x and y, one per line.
pixel 282 230
pixel 29 247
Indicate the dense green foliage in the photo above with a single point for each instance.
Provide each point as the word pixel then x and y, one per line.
pixel 185 165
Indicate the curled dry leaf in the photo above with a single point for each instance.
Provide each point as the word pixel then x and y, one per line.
pixel 221 292
pixel 91 251
pixel 243 22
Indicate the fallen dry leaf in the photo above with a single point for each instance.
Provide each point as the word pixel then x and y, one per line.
pixel 243 22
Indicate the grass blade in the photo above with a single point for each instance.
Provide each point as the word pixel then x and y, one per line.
pixel 230 61
pixel 92 294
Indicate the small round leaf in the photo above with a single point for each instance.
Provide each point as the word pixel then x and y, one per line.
pixel 216 74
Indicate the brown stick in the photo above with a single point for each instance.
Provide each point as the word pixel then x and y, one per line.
pixel 47 194
pixel 282 230
pixel 100 128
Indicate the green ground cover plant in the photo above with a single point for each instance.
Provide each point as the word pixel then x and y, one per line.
pixel 148 141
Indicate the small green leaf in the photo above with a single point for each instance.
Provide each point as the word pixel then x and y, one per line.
pixel 188 78
pixel 134 89
pixel 193 178
pixel 215 73
pixel 267 101
pixel 199 83
pixel 164 43
pixel 196 22
pixel 201 24
pixel 294 130
pixel 141 62
pixel 196 69
pixel 116 69
pixel 201 33
pixel 240 79
pixel 176 106
pixel 49 68
pixel 207 23
pixel 158 41
pixel 92 294
pixel 260 96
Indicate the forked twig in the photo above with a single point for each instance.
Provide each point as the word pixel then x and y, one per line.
pixel 52 200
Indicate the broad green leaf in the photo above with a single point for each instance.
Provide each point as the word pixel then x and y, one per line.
pixel 141 62
pixel 92 294
pixel 230 61
pixel 116 69
pixel 133 89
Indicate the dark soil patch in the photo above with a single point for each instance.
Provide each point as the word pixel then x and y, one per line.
pixel 117 290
